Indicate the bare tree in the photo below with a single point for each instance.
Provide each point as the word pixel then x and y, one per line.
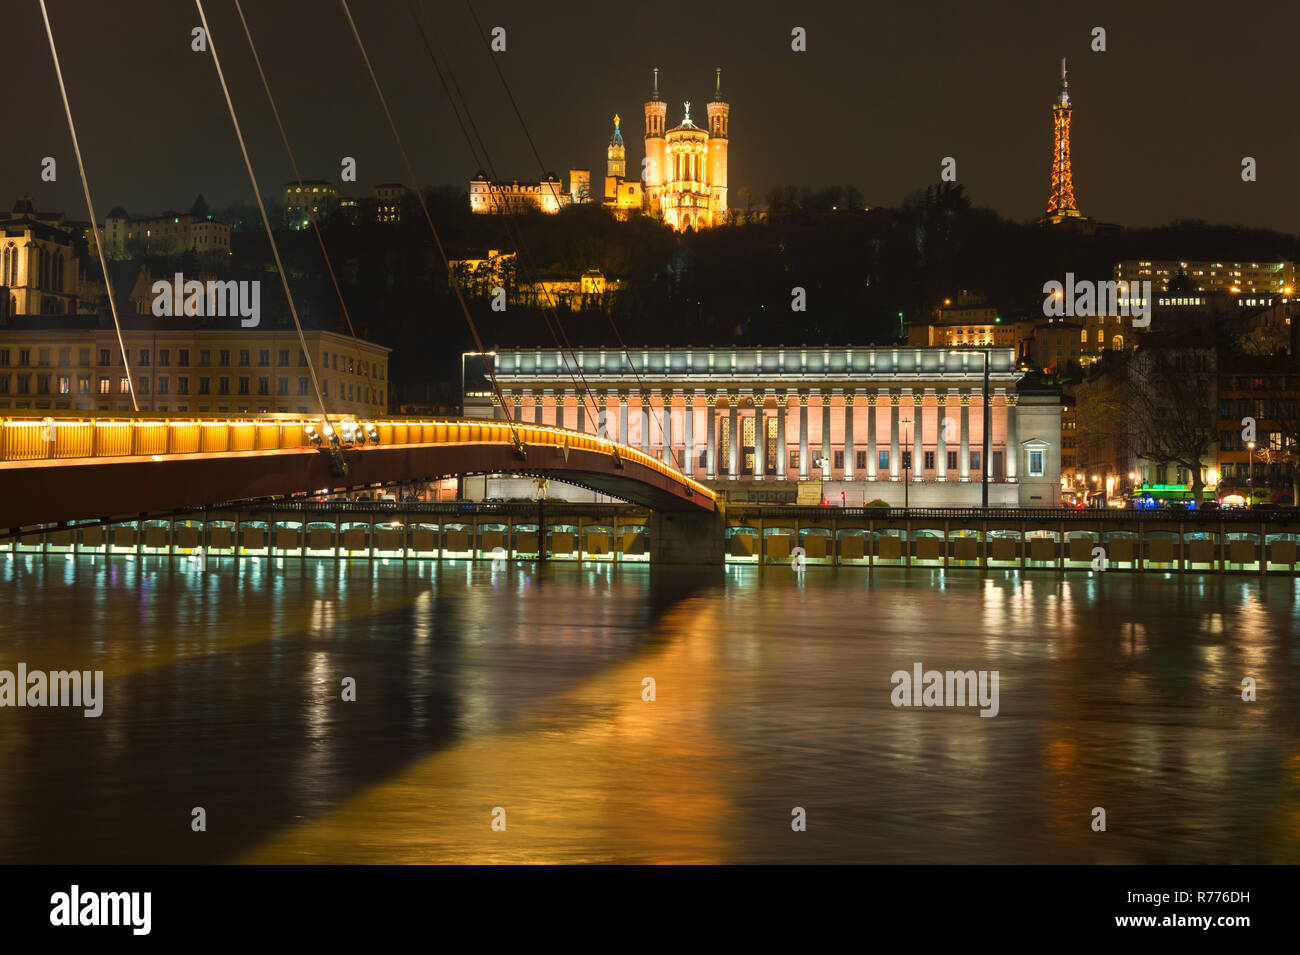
pixel 1172 392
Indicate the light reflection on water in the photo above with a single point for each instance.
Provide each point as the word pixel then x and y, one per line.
pixel 492 685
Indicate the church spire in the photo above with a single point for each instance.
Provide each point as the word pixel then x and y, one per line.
pixel 654 94
pixel 717 87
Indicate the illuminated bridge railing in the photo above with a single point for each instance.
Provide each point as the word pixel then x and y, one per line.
pixel 24 439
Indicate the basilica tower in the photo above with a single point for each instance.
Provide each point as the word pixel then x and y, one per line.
pixel 717 158
pixel 656 115
pixel 616 154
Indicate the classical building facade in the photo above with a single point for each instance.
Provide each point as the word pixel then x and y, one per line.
pixel 756 422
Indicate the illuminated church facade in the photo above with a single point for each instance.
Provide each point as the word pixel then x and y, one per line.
pixel 685 170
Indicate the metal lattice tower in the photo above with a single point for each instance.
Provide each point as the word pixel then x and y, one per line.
pixel 1061 204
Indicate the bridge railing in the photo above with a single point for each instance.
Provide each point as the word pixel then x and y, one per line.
pixel 70 436
pixel 1049 514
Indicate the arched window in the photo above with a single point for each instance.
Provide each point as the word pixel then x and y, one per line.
pixel 1083 336
pixel 1117 343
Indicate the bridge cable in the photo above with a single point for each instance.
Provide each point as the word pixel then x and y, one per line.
pixel 537 155
pixel 496 388
pixel 90 208
pixel 275 250
pixel 320 239
pixel 572 367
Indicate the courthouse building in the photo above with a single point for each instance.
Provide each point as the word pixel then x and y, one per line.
pixel 879 423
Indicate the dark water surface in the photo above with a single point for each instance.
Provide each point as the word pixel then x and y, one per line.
pixel 480 687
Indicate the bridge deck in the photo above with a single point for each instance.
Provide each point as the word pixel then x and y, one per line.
pixel 72 467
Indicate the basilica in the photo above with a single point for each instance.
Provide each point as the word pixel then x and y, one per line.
pixel 684 173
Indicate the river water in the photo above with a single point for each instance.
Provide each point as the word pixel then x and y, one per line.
pixel 500 693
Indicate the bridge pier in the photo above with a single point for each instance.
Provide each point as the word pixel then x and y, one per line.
pixel 681 540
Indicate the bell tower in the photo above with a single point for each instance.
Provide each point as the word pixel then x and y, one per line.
pixel 656 115
pixel 716 163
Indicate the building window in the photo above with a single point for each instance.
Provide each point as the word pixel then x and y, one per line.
pixel 244 357
pixel 183 358
pixel 952 460
pixel 105 387
pixel 839 460
pixel 264 357
pixel 144 358
pixel 164 357
pixel 65 385
pixel 975 461
pixel 123 386
pixel 223 386
pixel 24 356
pixel 882 462
pixel 860 460
pixel 283 358
pixel 1035 463
pixel 24 384
pixel 182 387
pixel 264 386
pixel 4 357
pixel 929 460
pixel 4 384
pixel 282 386
pixel 162 384
pixel 794 460
pixel 144 386
pixel 83 384
pixel 65 357
pixel 243 386
pixel 224 357
pixel 302 386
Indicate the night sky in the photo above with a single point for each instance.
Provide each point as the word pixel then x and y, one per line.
pixel 1161 120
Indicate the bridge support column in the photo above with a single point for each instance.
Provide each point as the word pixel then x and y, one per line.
pixel 688 540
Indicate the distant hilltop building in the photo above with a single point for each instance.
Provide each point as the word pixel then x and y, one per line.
pixel 311 199
pixel 686 166
pixel 487 197
pixel 1061 205
pixel 683 178
pixel 1234 277
pixel 168 233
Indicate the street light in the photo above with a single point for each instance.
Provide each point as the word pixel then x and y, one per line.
pixel 984 414
pixel 1250 470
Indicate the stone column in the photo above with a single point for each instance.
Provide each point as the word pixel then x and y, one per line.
pixel 803 436
pixel 688 434
pixel 760 437
pixel 733 472
pixel 848 435
pixel 964 460
pixel 941 439
pixel 711 434
pixel 783 453
pixel 621 399
pixel 895 459
pixel 918 438
pixel 667 430
pixel 645 422
pixel 537 407
pixel 872 456
pixel 827 460
pixel 1012 453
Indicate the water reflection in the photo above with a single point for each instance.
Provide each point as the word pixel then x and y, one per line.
pixel 507 685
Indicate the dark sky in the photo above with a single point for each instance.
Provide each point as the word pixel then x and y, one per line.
pixel 886 89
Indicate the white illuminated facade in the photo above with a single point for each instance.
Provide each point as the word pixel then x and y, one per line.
pixel 862 421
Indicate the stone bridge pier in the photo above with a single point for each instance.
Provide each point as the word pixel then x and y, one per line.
pixel 688 540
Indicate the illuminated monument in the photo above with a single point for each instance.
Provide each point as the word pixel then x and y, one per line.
pixel 686 166
pixel 1060 206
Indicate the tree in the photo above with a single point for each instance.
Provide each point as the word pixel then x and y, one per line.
pixel 1171 391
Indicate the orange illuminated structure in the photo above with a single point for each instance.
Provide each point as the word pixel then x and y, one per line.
pixel 1061 205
